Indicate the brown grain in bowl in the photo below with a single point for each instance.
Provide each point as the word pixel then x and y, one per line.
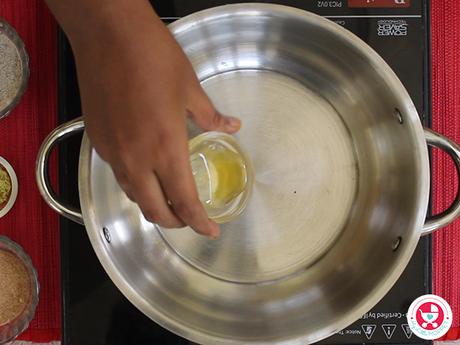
pixel 15 287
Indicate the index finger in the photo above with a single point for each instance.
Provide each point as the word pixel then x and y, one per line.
pixel 176 179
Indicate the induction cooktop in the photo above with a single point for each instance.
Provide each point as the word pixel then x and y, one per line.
pixel 96 313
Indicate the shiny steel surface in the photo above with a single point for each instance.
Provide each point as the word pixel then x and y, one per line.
pixel 339 178
pixel 449 215
pixel 305 180
pixel 41 169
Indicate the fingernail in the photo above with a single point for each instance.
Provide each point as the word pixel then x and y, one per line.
pixel 215 231
pixel 233 122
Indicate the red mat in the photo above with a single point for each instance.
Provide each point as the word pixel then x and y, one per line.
pixel 445 28
pixel 31 222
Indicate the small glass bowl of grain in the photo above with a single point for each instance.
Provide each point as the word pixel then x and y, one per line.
pixel 14 68
pixel 223 174
pixel 8 187
pixel 19 290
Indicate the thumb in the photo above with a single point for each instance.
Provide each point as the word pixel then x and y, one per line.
pixel 216 121
pixel 208 118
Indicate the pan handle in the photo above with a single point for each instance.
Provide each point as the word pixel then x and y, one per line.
pixel 453 150
pixel 41 169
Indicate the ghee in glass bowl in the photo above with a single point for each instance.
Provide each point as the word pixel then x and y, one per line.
pixel 223 174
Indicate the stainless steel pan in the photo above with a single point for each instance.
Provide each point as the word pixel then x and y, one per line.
pixel 340 193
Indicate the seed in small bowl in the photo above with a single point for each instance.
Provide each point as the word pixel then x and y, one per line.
pixel 8 187
pixel 5 187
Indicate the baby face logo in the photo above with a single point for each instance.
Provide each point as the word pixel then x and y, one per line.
pixel 429 317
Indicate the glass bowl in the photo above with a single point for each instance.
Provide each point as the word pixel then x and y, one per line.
pixel 223 174
pixel 7 205
pixel 14 68
pixel 20 289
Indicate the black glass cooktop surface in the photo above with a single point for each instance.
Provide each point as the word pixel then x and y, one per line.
pixel 96 313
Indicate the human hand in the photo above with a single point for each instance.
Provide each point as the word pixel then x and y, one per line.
pixel 137 88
